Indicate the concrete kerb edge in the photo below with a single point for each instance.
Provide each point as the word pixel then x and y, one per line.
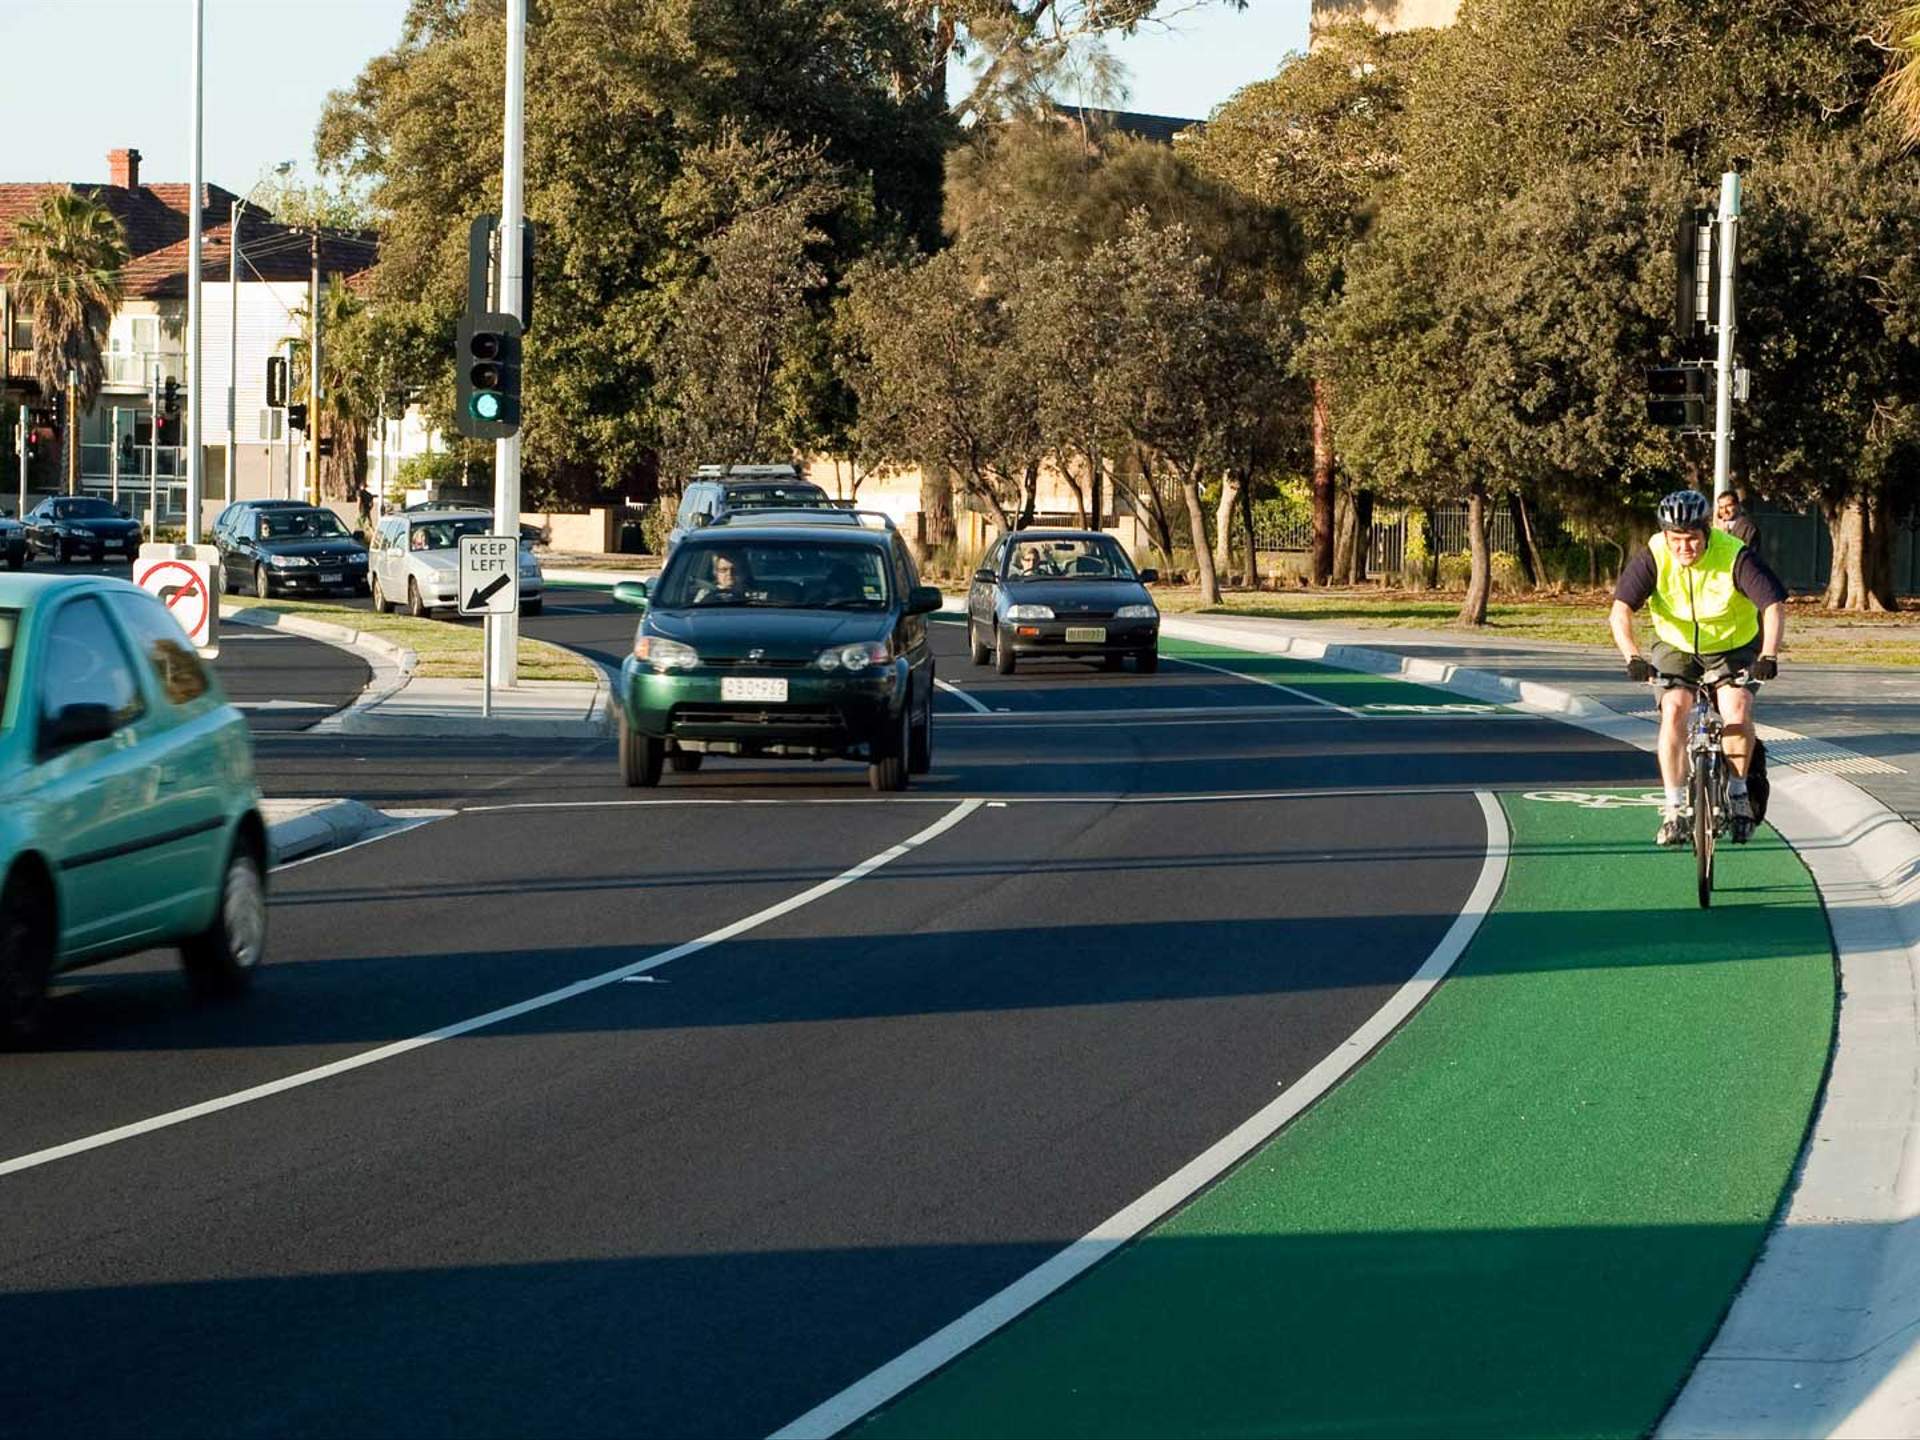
pixel 1824 1335
pixel 324 827
pixel 392 664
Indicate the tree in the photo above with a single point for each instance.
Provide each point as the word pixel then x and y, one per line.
pixel 64 265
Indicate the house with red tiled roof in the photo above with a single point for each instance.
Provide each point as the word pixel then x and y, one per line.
pixel 146 342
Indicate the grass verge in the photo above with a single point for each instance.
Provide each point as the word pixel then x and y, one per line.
pixel 1525 1216
pixel 447 650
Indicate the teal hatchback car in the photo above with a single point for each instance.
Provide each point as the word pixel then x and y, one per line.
pixel 128 813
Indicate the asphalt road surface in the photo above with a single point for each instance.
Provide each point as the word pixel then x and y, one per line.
pixel 589 1111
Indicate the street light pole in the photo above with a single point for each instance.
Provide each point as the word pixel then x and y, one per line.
pixel 233 349
pixel 312 440
pixel 1723 365
pixel 504 642
pixel 196 202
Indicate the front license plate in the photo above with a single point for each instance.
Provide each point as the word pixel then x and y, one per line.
pixel 1086 635
pixel 748 687
pixel 333 579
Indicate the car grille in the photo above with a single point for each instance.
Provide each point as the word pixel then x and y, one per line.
pixel 768 662
pixel 1076 616
pixel 822 717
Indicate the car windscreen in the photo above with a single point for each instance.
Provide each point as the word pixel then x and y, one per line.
pixel 84 509
pixel 775 575
pixel 301 525
pixel 1075 557
pixel 776 497
pixel 9 631
pixel 445 534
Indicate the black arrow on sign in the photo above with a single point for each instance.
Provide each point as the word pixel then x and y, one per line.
pixel 480 596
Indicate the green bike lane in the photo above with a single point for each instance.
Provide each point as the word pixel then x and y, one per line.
pixel 1524 1215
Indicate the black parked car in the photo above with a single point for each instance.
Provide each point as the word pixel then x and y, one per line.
pixel 290 550
pixel 13 541
pixel 1068 594
pixel 81 527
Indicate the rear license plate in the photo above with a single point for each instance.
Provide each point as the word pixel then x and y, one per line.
pixel 1086 635
pixel 747 687
pixel 333 579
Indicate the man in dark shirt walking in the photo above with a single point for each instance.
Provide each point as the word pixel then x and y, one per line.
pixel 1731 516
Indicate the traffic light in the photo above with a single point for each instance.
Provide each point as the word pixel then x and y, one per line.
pixel 56 411
pixel 277 382
pixel 170 396
pixel 324 445
pixel 487 367
pixel 297 417
pixel 1680 397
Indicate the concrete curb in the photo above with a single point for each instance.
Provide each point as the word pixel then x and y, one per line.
pixel 392 664
pixel 303 827
pixel 1824 1336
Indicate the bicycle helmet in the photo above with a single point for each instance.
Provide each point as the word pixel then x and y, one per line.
pixel 1684 510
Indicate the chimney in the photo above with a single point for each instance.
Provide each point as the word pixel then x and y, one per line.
pixel 123 168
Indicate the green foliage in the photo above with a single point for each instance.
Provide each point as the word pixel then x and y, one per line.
pixel 63 264
pixel 442 468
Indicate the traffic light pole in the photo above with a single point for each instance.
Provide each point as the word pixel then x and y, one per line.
pixel 196 316
pixel 503 638
pixel 1723 367
pixel 311 435
pixel 153 452
pixel 23 460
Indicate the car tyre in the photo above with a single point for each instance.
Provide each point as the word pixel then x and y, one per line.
pixel 262 585
pixel 685 762
pixel 229 579
pixel 1003 658
pixel 416 607
pixel 15 559
pixel 976 652
pixel 221 959
pixel 380 605
pixel 920 741
pixel 1147 661
pixel 640 756
pixel 888 768
pixel 533 607
pixel 26 957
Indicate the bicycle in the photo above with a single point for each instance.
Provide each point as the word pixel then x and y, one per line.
pixel 1707 773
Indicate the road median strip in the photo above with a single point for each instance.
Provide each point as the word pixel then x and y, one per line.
pixel 1525 1215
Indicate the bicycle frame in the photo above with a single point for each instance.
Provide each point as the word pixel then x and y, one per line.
pixel 1708 773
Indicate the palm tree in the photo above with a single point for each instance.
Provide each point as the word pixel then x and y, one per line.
pixel 1900 86
pixel 347 387
pixel 63 265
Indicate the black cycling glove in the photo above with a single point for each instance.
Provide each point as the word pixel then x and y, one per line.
pixel 1638 669
pixel 1767 667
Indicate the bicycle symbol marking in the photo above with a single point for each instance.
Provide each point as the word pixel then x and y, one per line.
pixel 1589 800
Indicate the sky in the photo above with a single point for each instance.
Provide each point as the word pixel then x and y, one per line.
pixel 270 64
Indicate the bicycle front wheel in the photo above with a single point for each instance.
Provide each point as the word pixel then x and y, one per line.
pixel 1701 794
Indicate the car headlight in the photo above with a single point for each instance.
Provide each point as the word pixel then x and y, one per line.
pixel 855 657
pixel 664 654
pixel 288 562
pixel 1029 612
pixel 1135 612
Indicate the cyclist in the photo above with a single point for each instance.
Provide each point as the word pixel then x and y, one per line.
pixel 1718 612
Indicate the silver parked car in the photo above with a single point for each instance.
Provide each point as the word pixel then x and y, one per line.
pixel 416 561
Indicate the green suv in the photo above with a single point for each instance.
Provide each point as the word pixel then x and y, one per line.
pixel 131 819
pixel 794 640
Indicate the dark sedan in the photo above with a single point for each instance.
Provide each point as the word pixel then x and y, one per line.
pixel 291 550
pixel 1061 594
pixel 81 527
pixel 790 640
pixel 13 541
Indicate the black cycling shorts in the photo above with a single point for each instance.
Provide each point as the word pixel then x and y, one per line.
pixel 1673 663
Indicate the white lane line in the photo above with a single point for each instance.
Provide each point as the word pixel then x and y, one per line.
pixel 836 1414
pixel 1210 797
pixel 1271 684
pixel 493 1017
pixel 964 698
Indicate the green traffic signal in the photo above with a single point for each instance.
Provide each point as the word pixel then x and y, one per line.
pixel 485 406
pixel 488 372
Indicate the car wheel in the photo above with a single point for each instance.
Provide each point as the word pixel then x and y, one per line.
pixel 221 959
pixel 416 607
pixel 15 559
pixel 380 606
pixel 262 586
pixel 61 552
pixel 920 741
pixel 888 768
pixel 229 580
pixel 685 762
pixel 976 652
pixel 640 756
pixel 532 607
pixel 26 957
pixel 1003 661
pixel 1147 661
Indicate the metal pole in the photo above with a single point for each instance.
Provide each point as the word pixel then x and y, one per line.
pixel 233 350
pixel 1723 366
pixel 153 452
pixel 113 457
pixel 23 460
pixel 504 642
pixel 313 377
pixel 487 632
pixel 196 202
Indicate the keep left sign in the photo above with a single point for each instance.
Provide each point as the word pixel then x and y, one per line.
pixel 184 582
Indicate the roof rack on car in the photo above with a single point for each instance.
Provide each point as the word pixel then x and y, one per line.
pixel 746 472
pixel 806 515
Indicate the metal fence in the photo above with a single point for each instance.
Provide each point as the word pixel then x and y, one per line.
pixel 1799 549
pixel 1387 545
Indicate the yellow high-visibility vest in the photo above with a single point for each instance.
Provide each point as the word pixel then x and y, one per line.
pixel 1697 607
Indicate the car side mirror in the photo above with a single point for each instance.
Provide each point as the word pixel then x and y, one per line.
pixel 631 592
pixel 700 519
pixel 925 599
pixel 1148 577
pixel 984 575
pixel 76 725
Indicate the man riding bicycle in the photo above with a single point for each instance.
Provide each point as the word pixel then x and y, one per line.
pixel 1718 615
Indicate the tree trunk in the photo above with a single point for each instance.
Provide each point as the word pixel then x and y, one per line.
pixel 1431 520
pixel 1473 610
pixel 1096 489
pixel 1253 540
pixel 1849 561
pixel 1362 533
pixel 1223 525
pixel 1342 539
pixel 1202 553
pixel 1835 514
pixel 1530 566
pixel 936 506
pixel 1878 553
pixel 1029 493
pixel 1322 567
